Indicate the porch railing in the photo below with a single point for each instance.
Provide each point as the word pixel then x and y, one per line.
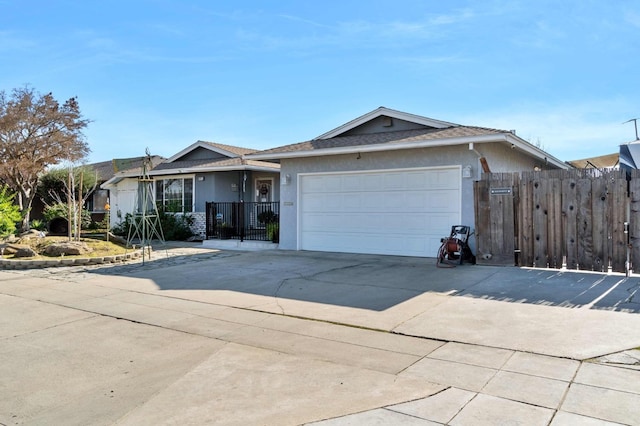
pixel 243 221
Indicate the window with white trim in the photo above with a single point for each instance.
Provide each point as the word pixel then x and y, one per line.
pixel 175 195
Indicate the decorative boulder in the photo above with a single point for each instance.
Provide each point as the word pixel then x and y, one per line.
pixel 25 252
pixel 67 248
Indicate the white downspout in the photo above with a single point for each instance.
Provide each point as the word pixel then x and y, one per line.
pixel 478 165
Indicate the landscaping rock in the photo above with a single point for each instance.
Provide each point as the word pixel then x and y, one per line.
pixel 67 248
pixel 25 252
pixel 9 248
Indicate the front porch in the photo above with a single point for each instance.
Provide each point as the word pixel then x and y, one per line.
pixel 243 221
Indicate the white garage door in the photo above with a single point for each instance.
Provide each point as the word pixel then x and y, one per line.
pixel 399 212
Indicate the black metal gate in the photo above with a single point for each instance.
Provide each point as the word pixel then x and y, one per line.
pixel 243 221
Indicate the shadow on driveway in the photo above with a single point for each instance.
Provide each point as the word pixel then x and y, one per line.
pixel 377 283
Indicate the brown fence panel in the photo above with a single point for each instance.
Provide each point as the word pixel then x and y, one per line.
pixel 573 219
pixel 495 218
pixel 634 222
pixel 618 216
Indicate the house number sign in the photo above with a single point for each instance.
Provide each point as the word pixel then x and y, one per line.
pixel 500 191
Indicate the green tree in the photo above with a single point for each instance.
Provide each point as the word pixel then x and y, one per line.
pixel 36 132
pixel 9 212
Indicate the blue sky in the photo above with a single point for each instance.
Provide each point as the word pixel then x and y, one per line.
pixel 259 74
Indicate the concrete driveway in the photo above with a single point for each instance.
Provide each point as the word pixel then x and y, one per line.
pixel 572 315
pixel 211 337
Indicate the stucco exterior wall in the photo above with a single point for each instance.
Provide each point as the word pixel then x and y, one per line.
pixel 499 157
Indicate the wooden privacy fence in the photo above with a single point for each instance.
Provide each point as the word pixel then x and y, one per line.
pixel 559 218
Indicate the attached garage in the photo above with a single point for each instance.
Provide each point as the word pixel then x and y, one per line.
pixel 390 182
pixel 397 212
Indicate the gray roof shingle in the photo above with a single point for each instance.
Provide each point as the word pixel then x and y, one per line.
pixel 390 138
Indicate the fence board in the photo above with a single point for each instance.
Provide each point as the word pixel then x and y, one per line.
pixel 634 219
pixel 540 253
pixel 554 229
pixel 599 195
pixel 618 215
pixel 525 225
pixel 569 221
pixel 585 224
pixel 482 220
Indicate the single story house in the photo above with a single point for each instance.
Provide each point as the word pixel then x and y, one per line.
pixel 390 182
pixel 202 172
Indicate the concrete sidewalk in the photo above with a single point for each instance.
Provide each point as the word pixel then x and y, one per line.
pixel 255 338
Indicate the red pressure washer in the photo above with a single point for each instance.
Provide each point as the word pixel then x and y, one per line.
pixel 455 248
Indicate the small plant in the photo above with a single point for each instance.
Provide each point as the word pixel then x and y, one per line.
pixel 38 225
pixel 122 227
pixel 273 232
pixel 267 216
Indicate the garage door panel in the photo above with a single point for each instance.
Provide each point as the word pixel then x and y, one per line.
pixel 388 212
pixel 395 245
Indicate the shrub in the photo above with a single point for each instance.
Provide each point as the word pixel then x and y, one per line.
pixel 175 227
pixel 62 210
pixel 9 212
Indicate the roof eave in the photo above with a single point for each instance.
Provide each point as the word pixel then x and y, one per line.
pixel 494 137
pixel 535 151
pixel 354 149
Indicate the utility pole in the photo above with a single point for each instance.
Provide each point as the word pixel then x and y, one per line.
pixel 635 124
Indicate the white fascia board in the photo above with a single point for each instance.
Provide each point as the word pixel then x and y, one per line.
pixel 535 151
pixel 116 179
pixel 495 137
pixel 431 143
pixel 438 124
pixel 201 144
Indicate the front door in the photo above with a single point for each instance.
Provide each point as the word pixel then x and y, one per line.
pixel 264 190
pixel 264 197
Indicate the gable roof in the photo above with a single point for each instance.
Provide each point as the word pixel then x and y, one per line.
pixel 388 112
pixel 232 160
pixel 226 150
pixel 436 134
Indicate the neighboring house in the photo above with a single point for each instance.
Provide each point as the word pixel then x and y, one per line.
pixel 203 172
pixel 389 182
pixel 97 201
pixel 601 162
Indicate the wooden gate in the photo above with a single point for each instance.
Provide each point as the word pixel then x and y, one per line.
pixel 571 219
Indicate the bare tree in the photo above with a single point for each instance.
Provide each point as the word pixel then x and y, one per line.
pixel 70 187
pixel 35 132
